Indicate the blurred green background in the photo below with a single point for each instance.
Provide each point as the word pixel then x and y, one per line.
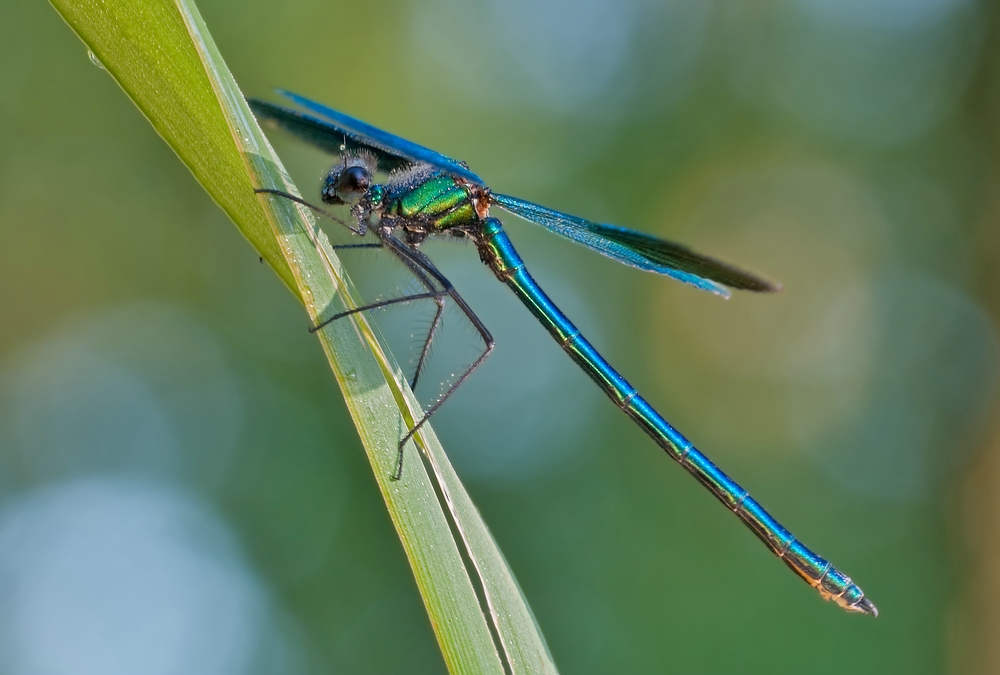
pixel 181 490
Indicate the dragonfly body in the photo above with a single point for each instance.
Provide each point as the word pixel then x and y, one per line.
pixel 436 205
pixel 428 194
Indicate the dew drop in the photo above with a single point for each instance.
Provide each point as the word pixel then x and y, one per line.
pixel 96 61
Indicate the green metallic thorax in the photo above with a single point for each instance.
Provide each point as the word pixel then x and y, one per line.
pixel 440 203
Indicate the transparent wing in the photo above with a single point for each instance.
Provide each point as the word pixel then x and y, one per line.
pixel 640 250
pixel 381 142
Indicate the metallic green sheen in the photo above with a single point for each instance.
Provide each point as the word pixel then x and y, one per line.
pixel 376 195
pixel 435 199
pixel 461 215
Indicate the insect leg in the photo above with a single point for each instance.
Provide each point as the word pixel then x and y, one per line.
pixel 376 305
pixel 341 247
pixel 416 258
pixel 426 349
pixel 433 292
pixel 360 229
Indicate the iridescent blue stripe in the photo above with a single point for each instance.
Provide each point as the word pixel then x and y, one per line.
pixel 819 573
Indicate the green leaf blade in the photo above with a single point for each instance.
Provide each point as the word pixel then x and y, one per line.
pixel 161 54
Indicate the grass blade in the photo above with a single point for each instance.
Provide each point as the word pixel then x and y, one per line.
pixel 162 55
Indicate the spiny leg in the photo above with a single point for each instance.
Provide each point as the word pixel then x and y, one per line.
pixel 376 305
pixel 432 291
pixel 359 230
pixel 422 268
pixel 426 349
pixel 412 257
pixel 415 269
pixel 415 263
pixel 438 314
pixel 341 247
pixel 489 345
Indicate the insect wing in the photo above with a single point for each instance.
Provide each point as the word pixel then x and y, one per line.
pixel 324 135
pixel 682 258
pixel 639 250
pixel 383 141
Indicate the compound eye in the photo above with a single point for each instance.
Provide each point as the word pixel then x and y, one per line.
pixel 352 183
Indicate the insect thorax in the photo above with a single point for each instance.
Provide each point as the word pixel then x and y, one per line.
pixel 434 204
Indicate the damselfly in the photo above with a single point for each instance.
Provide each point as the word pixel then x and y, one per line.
pixel 428 194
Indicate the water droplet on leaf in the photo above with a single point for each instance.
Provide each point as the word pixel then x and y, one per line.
pixel 96 61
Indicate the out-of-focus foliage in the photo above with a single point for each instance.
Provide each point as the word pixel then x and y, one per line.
pixel 208 499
